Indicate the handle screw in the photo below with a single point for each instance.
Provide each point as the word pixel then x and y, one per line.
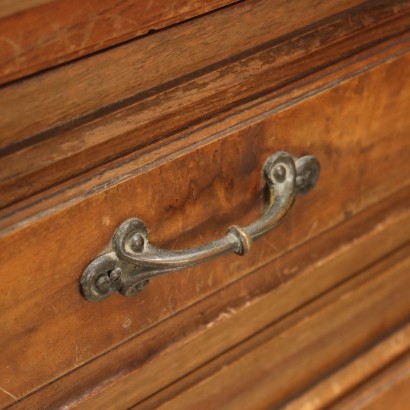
pixel 115 274
pixel 279 173
pixel 137 242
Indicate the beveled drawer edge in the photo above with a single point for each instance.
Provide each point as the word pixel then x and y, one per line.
pixel 291 352
pixel 345 203
pixel 70 193
pixel 156 117
pixel 362 369
pixel 369 229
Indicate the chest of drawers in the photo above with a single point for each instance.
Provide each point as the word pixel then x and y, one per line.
pixel 167 112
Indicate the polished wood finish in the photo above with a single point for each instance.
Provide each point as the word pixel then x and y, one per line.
pixel 174 348
pixel 388 390
pixel 61 243
pixel 101 122
pixel 345 381
pixel 280 361
pixel 134 163
pixel 63 30
pixel 173 127
pixel 142 63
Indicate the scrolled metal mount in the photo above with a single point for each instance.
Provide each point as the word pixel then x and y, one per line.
pixel 133 261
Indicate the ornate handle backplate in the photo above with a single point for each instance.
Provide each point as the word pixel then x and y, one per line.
pixel 133 260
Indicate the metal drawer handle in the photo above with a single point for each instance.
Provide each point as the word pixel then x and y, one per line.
pixel 133 260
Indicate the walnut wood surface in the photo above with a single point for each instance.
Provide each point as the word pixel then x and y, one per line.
pixel 267 368
pixel 177 195
pixel 347 380
pixel 390 389
pixel 9 7
pixel 37 34
pixel 187 140
pixel 52 155
pixel 174 127
pixel 98 82
pixel 175 347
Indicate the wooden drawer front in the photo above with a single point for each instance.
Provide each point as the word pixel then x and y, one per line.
pixel 101 24
pixel 314 357
pixel 388 389
pixel 187 193
pixel 195 343
pixel 157 89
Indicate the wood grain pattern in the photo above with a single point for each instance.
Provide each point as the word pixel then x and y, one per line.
pixel 37 34
pixel 173 128
pixel 350 376
pixel 186 140
pixel 98 82
pixel 194 206
pixel 64 153
pixel 263 371
pixel 157 357
pixel 388 390
pixel 9 7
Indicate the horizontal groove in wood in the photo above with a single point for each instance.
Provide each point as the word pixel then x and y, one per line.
pixel 184 206
pixel 135 370
pixel 119 172
pixel 389 389
pixel 39 34
pixel 360 370
pixel 160 116
pixel 71 192
pixel 272 365
pixel 71 91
